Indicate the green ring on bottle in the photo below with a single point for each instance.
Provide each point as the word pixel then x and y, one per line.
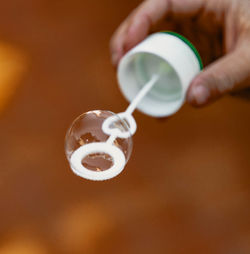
pixel 189 44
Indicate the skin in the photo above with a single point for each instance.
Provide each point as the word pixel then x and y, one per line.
pixel 220 29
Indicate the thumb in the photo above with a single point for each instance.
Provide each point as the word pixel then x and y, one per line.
pixel 227 74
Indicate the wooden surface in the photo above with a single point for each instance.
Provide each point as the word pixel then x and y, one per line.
pixel 186 188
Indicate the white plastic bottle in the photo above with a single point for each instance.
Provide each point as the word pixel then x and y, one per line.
pixel 173 58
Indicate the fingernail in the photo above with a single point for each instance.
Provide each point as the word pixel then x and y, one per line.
pixel 199 95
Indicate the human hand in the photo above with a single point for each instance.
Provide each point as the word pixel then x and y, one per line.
pixel 219 28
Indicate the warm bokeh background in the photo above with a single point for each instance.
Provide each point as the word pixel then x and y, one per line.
pixel 186 188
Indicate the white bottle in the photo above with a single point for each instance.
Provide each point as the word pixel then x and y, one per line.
pixel 171 56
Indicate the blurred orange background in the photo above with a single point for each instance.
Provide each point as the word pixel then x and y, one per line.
pixel 186 188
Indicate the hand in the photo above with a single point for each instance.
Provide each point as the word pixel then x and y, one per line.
pixel 220 29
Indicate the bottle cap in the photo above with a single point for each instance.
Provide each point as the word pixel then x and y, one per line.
pixel 168 55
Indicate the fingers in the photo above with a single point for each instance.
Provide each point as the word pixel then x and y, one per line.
pixel 138 25
pixel 147 15
pixel 116 43
pixel 225 75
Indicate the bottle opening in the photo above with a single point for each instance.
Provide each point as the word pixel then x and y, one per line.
pixel 168 87
pixel 166 96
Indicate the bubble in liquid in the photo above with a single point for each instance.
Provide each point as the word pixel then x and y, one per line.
pixel 87 129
